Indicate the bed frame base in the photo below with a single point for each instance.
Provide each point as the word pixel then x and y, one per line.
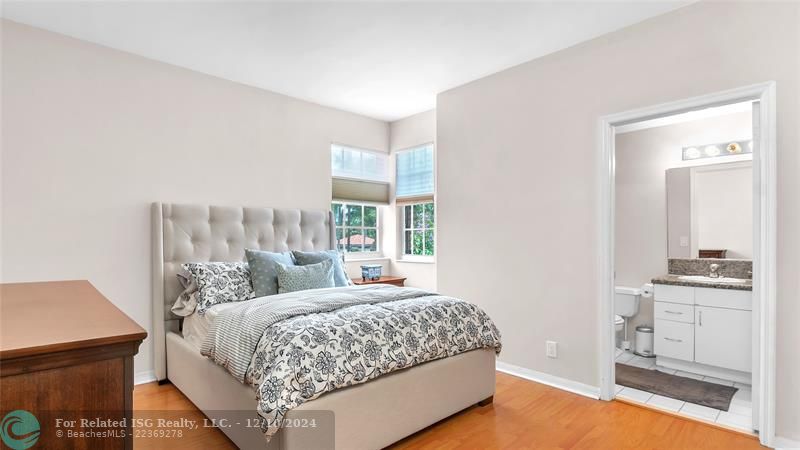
pixel 366 416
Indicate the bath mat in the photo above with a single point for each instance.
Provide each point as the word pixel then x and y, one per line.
pixel 689 390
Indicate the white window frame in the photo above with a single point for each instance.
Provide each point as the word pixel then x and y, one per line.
pixel 411 257
pixel 365 254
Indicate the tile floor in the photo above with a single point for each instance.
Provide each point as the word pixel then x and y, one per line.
pixel 738 416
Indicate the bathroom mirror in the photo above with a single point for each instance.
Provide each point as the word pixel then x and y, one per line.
pixel 709 211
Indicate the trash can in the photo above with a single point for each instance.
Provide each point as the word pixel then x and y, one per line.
pixel 644 341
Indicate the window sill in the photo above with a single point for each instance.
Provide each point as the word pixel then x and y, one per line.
pixel 366 259
pixel 417 261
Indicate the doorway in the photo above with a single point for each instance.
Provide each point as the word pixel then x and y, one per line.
pixel 761 317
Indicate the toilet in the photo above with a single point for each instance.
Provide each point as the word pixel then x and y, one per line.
pixel 626 304
pixel 618 322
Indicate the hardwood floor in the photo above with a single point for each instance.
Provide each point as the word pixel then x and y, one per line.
pixel 524 415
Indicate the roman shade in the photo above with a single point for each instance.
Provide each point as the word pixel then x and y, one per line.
pixel 360 191
pixel 415 173
pixel 359 175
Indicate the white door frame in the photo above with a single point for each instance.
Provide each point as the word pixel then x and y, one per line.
pixel 764 243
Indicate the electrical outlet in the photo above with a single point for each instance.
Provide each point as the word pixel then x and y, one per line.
pixel 552 349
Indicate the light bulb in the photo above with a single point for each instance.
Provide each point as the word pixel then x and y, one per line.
pixel 691 153
pixel 711 150
pixel 734 147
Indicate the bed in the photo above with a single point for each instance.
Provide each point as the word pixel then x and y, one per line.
pixel 364 416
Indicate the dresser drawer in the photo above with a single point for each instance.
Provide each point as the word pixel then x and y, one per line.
pixel 674 340
pixel 724 298
pixel 674 311
pixel 674 294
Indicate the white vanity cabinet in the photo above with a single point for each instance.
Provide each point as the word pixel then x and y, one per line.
pixel 704 330
pixel 722 338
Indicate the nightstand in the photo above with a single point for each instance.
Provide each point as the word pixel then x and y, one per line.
pixel 395 281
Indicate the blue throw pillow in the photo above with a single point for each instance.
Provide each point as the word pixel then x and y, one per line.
pixel 339 275
pixel 264 270
pixel 301 278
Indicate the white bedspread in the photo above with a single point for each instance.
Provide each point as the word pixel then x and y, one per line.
pixel 196 326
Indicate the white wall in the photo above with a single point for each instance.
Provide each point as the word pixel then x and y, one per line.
pixel 92 135
pixel 642 159
pixel 723 205
pixel 517 157
pixel 405 133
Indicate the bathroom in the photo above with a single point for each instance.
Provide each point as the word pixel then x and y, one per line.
pixel 683 261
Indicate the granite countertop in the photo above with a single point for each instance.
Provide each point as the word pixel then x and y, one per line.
pixel 675 280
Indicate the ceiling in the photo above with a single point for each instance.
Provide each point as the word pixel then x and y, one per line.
pixel 386 60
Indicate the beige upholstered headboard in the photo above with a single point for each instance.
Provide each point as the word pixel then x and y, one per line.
pixel 192 233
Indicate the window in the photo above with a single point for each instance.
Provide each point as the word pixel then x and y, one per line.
pixel 356 227
pixel 349 162
pixel 418 229
pixel 415 172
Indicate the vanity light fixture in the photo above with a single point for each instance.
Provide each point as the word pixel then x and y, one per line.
pixel 720 150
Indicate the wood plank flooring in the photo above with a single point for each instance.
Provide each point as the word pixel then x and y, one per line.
pixel 525 415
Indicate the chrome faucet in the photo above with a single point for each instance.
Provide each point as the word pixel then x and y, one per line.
pixel 714 271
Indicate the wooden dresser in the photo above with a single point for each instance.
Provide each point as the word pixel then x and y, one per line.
pixel 66 352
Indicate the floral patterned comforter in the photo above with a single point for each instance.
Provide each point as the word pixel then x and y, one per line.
pixel 301 358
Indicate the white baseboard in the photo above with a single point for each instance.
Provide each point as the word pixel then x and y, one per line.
pixel 146 376
pixel 550 380
pixel 786 443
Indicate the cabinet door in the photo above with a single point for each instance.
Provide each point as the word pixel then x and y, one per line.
pixel 722 338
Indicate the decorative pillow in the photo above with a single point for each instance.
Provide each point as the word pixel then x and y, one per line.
pixel 339 275
pixel 186 302
pixel 301 278
pixel 220 282
pixel 264 270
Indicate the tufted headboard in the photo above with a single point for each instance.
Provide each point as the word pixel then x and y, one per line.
pixel 192 233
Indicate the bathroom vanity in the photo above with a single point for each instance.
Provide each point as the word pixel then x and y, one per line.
pixel 703 325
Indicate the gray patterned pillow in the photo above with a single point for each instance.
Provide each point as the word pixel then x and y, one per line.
pixel 339 275
pixel 264 270
pixel 301 278
pixel 220 282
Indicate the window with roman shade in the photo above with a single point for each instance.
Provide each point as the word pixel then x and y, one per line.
pixel 359 175
pixel 415 173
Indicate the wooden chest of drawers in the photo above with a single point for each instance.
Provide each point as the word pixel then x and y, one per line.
pixel 66 353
